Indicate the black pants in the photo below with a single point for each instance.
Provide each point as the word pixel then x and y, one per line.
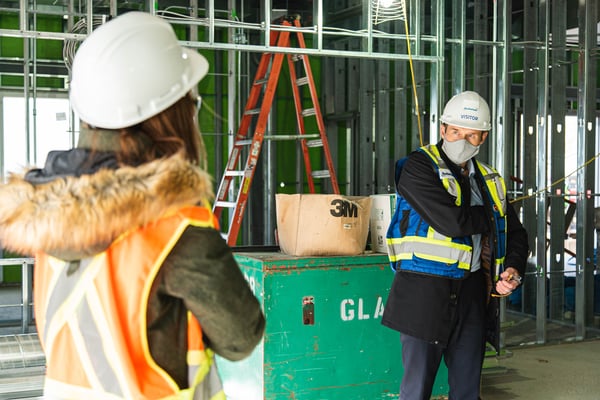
pixel 463 355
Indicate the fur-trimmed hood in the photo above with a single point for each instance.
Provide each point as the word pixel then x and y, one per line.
pixel 74 217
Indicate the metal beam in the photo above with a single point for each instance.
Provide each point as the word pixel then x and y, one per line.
pixel 586 136
pixel 558 83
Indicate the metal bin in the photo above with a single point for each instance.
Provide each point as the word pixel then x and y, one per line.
pixel 323 337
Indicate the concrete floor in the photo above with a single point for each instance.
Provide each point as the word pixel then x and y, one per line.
pixel 569 371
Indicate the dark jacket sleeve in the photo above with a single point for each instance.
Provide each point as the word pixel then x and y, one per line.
pixel 420 185
pixel 203 272
pixel 517 247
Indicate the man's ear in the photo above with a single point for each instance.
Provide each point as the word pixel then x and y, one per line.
pixel 484 136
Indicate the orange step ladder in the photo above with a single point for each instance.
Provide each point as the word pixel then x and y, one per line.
pixel 235 184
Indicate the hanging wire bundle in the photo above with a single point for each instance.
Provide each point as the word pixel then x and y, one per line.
pixel 387 10
pixel 70 45
pixel 393 10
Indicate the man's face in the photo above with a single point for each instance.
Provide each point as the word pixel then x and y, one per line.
pixel 451 133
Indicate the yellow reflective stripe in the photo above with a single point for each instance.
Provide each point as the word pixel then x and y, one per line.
pixel 219 396
pixel 202 224
pixel 461 264
pixel 496 187
pixel 433 234
pixel 499 264
pixel 196 357
pixel 430 249
pixel 409 256
pixel 433 149
pixel 427 241
pixel 207 380
pixel 448 179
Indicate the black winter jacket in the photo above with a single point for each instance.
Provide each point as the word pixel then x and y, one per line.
pixel 419 305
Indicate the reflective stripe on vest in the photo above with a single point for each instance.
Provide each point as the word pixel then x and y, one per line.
pixel 495 186
pixel 448 179
pixel 433 253
pixel 92 317
pixel 496 190
pixel 442 251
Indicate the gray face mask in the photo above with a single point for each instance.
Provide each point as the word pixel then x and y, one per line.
pixel 460 151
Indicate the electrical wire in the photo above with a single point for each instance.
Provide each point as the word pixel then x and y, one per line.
pixel 585 164
pixel 414 83
pixel 70 46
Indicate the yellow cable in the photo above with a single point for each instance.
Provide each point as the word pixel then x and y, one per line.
pixel 585 164
pixel 412 74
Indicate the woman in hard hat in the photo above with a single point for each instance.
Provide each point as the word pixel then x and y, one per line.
pixel 456 245
pixel 134 287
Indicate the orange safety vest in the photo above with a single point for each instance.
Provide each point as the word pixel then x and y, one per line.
pixel 92 320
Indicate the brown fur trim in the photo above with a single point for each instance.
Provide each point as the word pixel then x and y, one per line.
pixel 82 215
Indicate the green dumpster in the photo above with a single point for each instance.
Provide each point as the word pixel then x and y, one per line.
pixel 323 338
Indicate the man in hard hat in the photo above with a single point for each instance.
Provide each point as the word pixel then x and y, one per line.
pixel 456 246
pixel 135 289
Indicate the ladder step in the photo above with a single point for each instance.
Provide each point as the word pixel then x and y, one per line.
pixel 244 142
pixel 302 81
pixel 261 81
pixel 253 111
pixel 321 174
pixel 308 112
pixel 297 57
pixel 234 173
pixel 315 143
pixel 225 204
pixel 291 137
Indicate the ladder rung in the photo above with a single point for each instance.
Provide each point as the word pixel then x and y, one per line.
pixel 302 81
pixel 291 137
pixel 321 174
pixel 308 112
pixel 253 111
pixel 225 204
pixel 314 143
pixel 234 173
pixel 244 142
pixel 296 57
pixel 261 81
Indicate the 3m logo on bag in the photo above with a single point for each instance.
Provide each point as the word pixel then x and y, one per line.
pixel 344 208
pixel 322 224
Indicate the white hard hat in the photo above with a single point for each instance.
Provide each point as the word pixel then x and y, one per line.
pixel 130 69
pixel 467 110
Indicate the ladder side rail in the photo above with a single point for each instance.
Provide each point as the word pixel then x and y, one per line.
pixel 242 133
pixel 319 115
pixel 256 146
pixel 225 183
pixel 254 96
pixel 233 163
pixel 300 122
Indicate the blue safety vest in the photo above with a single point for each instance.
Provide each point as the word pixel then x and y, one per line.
pixel 413 245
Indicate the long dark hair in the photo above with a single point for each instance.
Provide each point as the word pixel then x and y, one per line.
pixel 172 131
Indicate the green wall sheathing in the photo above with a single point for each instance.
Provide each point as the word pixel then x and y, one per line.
pixel 11 273
pixel 45 49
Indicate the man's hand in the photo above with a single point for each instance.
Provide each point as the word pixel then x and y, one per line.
pixel 508 282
